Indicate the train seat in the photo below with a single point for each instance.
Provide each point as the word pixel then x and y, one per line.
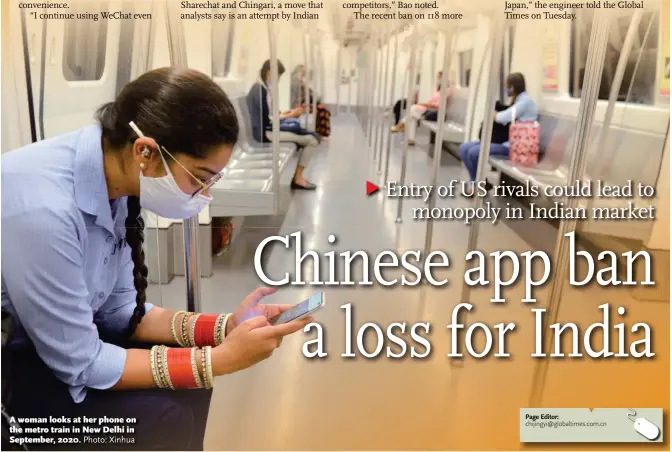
pixel 618 160
pixel 453 126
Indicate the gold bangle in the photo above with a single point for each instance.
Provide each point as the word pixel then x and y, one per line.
pixel 173 331
pixel 152 363
pixel 165 368
pixel 194 367
pixel 203 367
pixel 162 367
pixel 208 367
pixel 192 330
pixel 184 329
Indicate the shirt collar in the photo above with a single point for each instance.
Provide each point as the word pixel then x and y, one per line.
pixel 90 185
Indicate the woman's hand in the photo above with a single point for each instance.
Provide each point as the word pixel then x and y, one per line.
pixel 250 308
pixel 252 341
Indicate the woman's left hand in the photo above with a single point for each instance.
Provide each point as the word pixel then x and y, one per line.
pixel 250 307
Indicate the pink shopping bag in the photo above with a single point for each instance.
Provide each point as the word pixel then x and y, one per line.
pixel 524 141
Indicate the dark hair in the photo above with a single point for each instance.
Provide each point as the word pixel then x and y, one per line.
pixel 266 67
pixel 517 81
pixel 181 109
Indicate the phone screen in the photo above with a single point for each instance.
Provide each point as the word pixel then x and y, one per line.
pixel 296 311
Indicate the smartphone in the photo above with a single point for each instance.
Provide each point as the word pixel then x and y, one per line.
pixel 306 307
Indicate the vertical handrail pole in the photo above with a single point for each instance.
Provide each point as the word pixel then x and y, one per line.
pixel 633 31
pixel 496 40
pixel 313 79
pixel 593 76
pixel 372 90
pixel 389 103
pixel 178 57
pixel 379 100
pixel 306 89
pixel 383 100
pixel 352 69
pixel 438 144
pixel 409 89
pixel 338 77
pixel 275 105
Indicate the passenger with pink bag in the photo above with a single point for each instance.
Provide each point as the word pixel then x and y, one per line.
pixel 523 133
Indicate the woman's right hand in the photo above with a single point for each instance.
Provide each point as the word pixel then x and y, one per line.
pixel 252 341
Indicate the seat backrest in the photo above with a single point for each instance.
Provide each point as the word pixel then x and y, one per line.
pixel 554 142
pixel 457 109
pixel 240 105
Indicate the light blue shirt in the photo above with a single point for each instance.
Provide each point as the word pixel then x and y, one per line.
pixel 67 271
pixel 526 110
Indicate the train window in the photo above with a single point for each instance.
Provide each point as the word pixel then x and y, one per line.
pixel 465 60
pixel 640 71
pixel 85 42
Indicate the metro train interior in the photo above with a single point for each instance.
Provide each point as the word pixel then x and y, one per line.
pixel 56 73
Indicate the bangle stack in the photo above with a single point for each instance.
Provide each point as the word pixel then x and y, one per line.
pixel 180 368
pixel 198 330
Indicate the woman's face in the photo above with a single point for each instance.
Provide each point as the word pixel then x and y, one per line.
pixel 190 173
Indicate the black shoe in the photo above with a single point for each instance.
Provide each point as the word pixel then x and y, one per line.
pixel 295 186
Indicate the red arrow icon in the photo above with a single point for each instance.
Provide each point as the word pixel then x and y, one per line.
pixel 371 188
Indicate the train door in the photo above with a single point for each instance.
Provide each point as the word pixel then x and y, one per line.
pixel 79 66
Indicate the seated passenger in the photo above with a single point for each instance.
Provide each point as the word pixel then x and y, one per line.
pixel 401 103
pixel 259 104
pixel 298 99
pixel 84 337
pixel 418 110
pixel 525 110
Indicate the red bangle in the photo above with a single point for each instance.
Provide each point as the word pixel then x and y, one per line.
pixel 204 330
pixel 180 368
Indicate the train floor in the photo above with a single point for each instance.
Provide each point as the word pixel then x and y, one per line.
pixel 289 402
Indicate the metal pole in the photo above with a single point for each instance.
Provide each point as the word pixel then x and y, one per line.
pixel 313 80
pixel 275 105
pixel 350 76
pixel 633 31
pixel 438 145
pixel 496 41
pixel 338 78
pixel 410 89
pixel 372 90
pixel 591 85
pixel 178 57
pixel 379 149
pixel 391 102
pixel 306 90
pixel 378 100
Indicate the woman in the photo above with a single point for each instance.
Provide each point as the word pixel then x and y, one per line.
pixel 525 110
pixel 418 110
pixel 86 340
pixel 259 105
pixel 298 99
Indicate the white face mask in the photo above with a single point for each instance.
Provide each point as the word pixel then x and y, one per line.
pixel 162 195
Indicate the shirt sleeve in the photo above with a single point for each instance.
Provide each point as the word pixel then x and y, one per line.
pixel 44 278
pixel 506 116
pixel 115 314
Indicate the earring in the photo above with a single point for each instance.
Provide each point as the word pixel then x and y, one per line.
pixel 142 166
